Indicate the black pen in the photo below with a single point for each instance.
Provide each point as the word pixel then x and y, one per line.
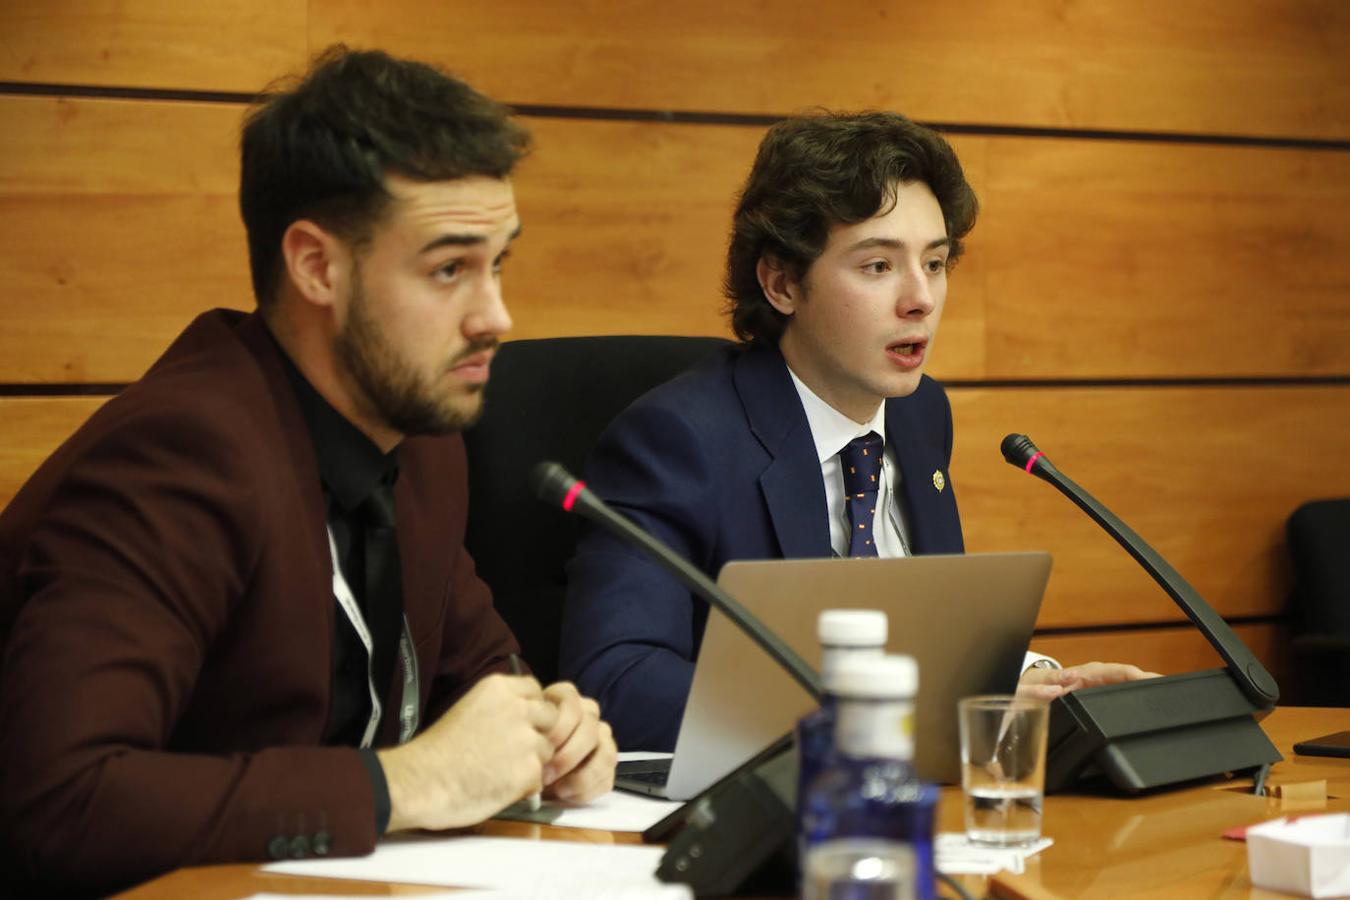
pixel 534 799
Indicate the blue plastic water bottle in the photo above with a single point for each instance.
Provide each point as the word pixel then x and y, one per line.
pixel 843 634
pixel 868 787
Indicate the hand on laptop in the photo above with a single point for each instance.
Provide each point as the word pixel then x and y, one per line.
pixel 1047 684
pixel 584 755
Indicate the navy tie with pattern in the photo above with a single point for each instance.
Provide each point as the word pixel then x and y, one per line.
pixel 861 462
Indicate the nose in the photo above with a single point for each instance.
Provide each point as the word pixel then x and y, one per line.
pixel 488 316
pixel 915 299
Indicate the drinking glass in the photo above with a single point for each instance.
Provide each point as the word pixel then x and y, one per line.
pixel 1003 768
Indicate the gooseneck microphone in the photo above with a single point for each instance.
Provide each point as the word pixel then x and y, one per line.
pixel 1245 668
pixel 554 485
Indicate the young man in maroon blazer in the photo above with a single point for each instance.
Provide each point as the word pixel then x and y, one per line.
pixel 237 613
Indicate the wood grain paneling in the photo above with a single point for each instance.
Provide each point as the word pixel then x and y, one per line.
pixel 1275 67
pixel 1272 67
pixel 225 45
pixel 1207 476
pixel 1167 651
pixel 1138 260
pixel 33 428
pixel 118 223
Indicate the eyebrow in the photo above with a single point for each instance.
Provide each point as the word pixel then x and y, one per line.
pixel 893 244
pixel 462 240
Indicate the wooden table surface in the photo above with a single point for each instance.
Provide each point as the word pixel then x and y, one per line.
pixel 1162 845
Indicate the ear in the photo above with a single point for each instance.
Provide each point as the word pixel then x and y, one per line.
pixel 780 286
pixel 313 259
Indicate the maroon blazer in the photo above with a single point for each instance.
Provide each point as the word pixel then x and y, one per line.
pixel 166 590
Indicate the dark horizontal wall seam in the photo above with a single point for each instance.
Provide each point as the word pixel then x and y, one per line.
pixel 1234 381
pixel 93 389
pixel 697 117
pixel 1126 627
pixel 20 389
pixel 99 92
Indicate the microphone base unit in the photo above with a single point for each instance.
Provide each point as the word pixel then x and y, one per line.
pixel 740 835
pixel 1149 734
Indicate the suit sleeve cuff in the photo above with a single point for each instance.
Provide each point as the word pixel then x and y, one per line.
pixel 380 788
pixel 1032 659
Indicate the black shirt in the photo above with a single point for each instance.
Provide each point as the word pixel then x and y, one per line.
pixel 351 466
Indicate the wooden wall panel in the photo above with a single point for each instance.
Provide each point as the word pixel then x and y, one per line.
pixel 1207 476
pixel 118 224
pixel 225 45
pixel 33 428
pixel 1091 259
pixel 1153 260
pixel 1167 651
pixel 1273 67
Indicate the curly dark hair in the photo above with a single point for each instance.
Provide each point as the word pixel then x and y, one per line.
pixel 823 169
pixel 320 147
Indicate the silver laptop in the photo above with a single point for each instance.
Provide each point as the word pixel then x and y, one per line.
pixel 967 619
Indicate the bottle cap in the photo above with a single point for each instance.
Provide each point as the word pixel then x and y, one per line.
pixel 889 677
pixel 852 628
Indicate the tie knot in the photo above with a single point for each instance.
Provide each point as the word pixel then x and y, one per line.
pixel 861 462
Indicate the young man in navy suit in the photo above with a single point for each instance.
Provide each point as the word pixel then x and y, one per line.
pixel 842 244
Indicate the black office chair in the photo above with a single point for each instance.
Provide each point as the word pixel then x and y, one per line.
pixel 1319 542
pixel 549 400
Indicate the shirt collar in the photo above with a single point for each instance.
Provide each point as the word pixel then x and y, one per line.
pixel 350 464
pixel 831 429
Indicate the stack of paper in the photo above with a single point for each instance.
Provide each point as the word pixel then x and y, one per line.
pixel 519 867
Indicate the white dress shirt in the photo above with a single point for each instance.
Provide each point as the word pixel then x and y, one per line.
pixel 831 431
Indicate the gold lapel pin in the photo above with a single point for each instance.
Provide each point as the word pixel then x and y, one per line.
pixel 938 481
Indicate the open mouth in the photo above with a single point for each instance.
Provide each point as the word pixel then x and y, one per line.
pixel 908 354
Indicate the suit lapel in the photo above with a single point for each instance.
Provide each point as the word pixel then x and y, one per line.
pixel 925 485
pixel 791 484
pixel 310 529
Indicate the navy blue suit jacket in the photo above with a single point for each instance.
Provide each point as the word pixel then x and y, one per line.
pixel 719 463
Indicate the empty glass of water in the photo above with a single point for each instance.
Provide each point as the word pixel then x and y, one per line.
pixel 1003 768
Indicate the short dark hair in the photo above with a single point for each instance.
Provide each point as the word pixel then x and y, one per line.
pixel 823 169
pixel 320 148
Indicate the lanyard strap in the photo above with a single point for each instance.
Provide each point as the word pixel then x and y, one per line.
pixel 409 709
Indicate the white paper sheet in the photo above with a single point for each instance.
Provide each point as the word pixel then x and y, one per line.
pixel 954 854
pixel 523 867
pixel 585 892
pixel 665 892
pixel 435 895
pixel 617 811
